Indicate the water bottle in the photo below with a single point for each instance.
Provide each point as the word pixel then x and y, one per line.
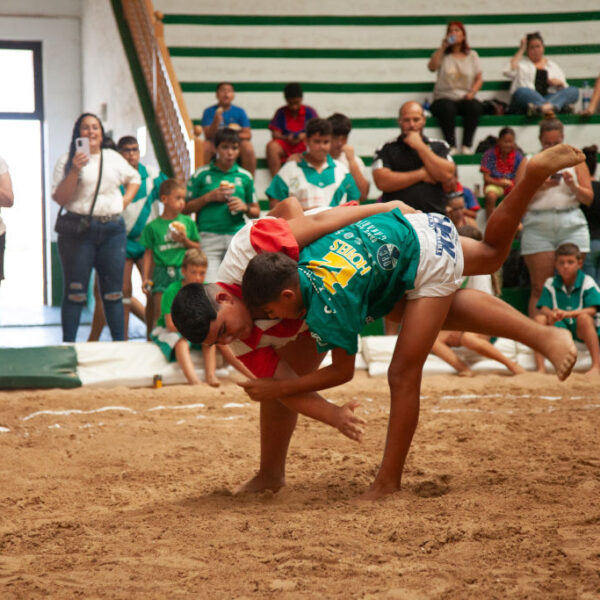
pixel 586 96
pixel 426 105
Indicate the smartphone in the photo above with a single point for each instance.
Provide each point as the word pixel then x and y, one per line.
pixel 82 144
pixel 556 176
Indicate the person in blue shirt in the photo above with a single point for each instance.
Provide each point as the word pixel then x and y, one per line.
pixel 226 114
pixel 571 300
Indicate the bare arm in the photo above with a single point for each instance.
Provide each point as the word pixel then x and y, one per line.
pixel 477 83
pixel 516 59
pixel 439 168
pixel 436 57
pixel 235 362
pixel 147 268
pixel 197 204
pixel 245 134
pixel 308 228
pixel 583 188
pixel 387 180
pixel 7 197
pixel 211 130
pixel 595 99
pixel 361 182
pixel 65 191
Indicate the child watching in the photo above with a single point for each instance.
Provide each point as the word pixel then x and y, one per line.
pixel 288 127
pixel 316 180
pixel 166 239
pixel 226 114
pixel 499 166
pixel 571 300
pixel 361 272
pixel 220 194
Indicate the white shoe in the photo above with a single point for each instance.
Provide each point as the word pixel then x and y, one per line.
pixel 466 150
pixel 453 151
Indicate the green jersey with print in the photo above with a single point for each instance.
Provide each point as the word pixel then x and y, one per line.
pixel 157 237
pixel 167 301
pixel 355 275
pixel 216 217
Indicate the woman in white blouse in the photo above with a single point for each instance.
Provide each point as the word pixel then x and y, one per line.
pixel 97 241
pixel 459 79
pixel 538 84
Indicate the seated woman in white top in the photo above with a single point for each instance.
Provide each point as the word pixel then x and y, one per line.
pixel 459 79
pixel 538 84
pixel 92 234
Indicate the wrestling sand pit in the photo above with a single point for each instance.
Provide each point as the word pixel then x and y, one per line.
pixel 127 493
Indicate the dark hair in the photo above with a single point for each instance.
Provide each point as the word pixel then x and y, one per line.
pixel 192 312
pixel 220 85
pixel 126 140
pixel 292 90
pixel 470 232
pixel 568 249
pixel 464 47
pixel 591 158
pixel 551 125
pixel 536 35
pixel 341 124
pixel 507 131
pixel 105 143
pixel 318 126
pixel 226 135
pixel 168 185
pixel 266 275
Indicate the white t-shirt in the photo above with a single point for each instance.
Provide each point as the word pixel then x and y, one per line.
pixel 456 75
pixel 3 169
pixel 359 161
pixel 116 171
pixel 557 197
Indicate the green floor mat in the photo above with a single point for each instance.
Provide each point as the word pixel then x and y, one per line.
pixel 43 367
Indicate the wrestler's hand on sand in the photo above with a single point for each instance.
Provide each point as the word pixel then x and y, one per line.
pixel 262 389
pixel 348 423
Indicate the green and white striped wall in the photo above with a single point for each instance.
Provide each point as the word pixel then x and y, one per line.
pixel 365 60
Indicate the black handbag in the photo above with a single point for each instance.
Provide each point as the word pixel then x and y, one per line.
pixel 72 224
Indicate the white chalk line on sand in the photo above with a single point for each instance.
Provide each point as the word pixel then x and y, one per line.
pixel 77 411
pixel 177 407
pixel 4 430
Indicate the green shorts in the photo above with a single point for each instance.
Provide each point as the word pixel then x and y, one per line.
pixel 163 277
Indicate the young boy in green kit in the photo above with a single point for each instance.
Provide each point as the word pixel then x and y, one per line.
pixel 571 300
pixel 361 272
pixel 166 239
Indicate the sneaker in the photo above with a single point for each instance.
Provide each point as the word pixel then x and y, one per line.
pixel 453 151
pixel 466 150
pixel 533 110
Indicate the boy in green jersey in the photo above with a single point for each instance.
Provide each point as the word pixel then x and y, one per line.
pixel 362 271
pixel 166 239
pixel 571 300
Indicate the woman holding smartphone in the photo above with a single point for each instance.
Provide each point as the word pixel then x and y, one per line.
pixel 554 216
pixel 91 230
pixel 458 81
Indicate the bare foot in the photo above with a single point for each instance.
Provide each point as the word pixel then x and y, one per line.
pixel 213 382
pixel 541 370
pixel 466 373
pixel 260 483
pixel 379 490
pixel 558 347
pixel 593 372
pixel 516 369
pixel 554 159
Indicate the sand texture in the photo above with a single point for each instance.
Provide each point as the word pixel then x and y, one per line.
pixel 129 495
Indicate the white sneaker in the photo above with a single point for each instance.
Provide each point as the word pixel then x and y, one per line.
pixel 466 150
pixel 453 151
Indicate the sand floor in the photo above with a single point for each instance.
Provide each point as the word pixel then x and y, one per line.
pixel 130 496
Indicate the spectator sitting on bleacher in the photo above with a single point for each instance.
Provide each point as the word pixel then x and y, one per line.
pixel 454 186
pixel 499 167
pixel 594 100
pixel 455 209
pixel 591 264
pixel 412 168
pixel 538 84
pixel 316 180
pixel 288 128
pixel 341 150
pixel 459 79
pixel 225 114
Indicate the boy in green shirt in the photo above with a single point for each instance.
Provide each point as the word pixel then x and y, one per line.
pixel 221 194
pixel 166 239
pixel 571 300
pixel 361 272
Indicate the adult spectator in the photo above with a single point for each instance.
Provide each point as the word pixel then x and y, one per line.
pixel 554 216
pixel 288 128
pixel 91 231
pixel 591 265
pixel 141 210
pixel 7 199
pixel 413 167
pixel 342 151
pixel 226 114
pixel 459 79
pixel 594 100
pixel 538 84
pixel 220 194
pixel 316 180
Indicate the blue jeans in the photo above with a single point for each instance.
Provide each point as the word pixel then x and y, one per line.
pixel 524 96
pixel 103 248
pixel 591 264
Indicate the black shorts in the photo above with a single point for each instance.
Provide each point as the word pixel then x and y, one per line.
pixel 2 246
